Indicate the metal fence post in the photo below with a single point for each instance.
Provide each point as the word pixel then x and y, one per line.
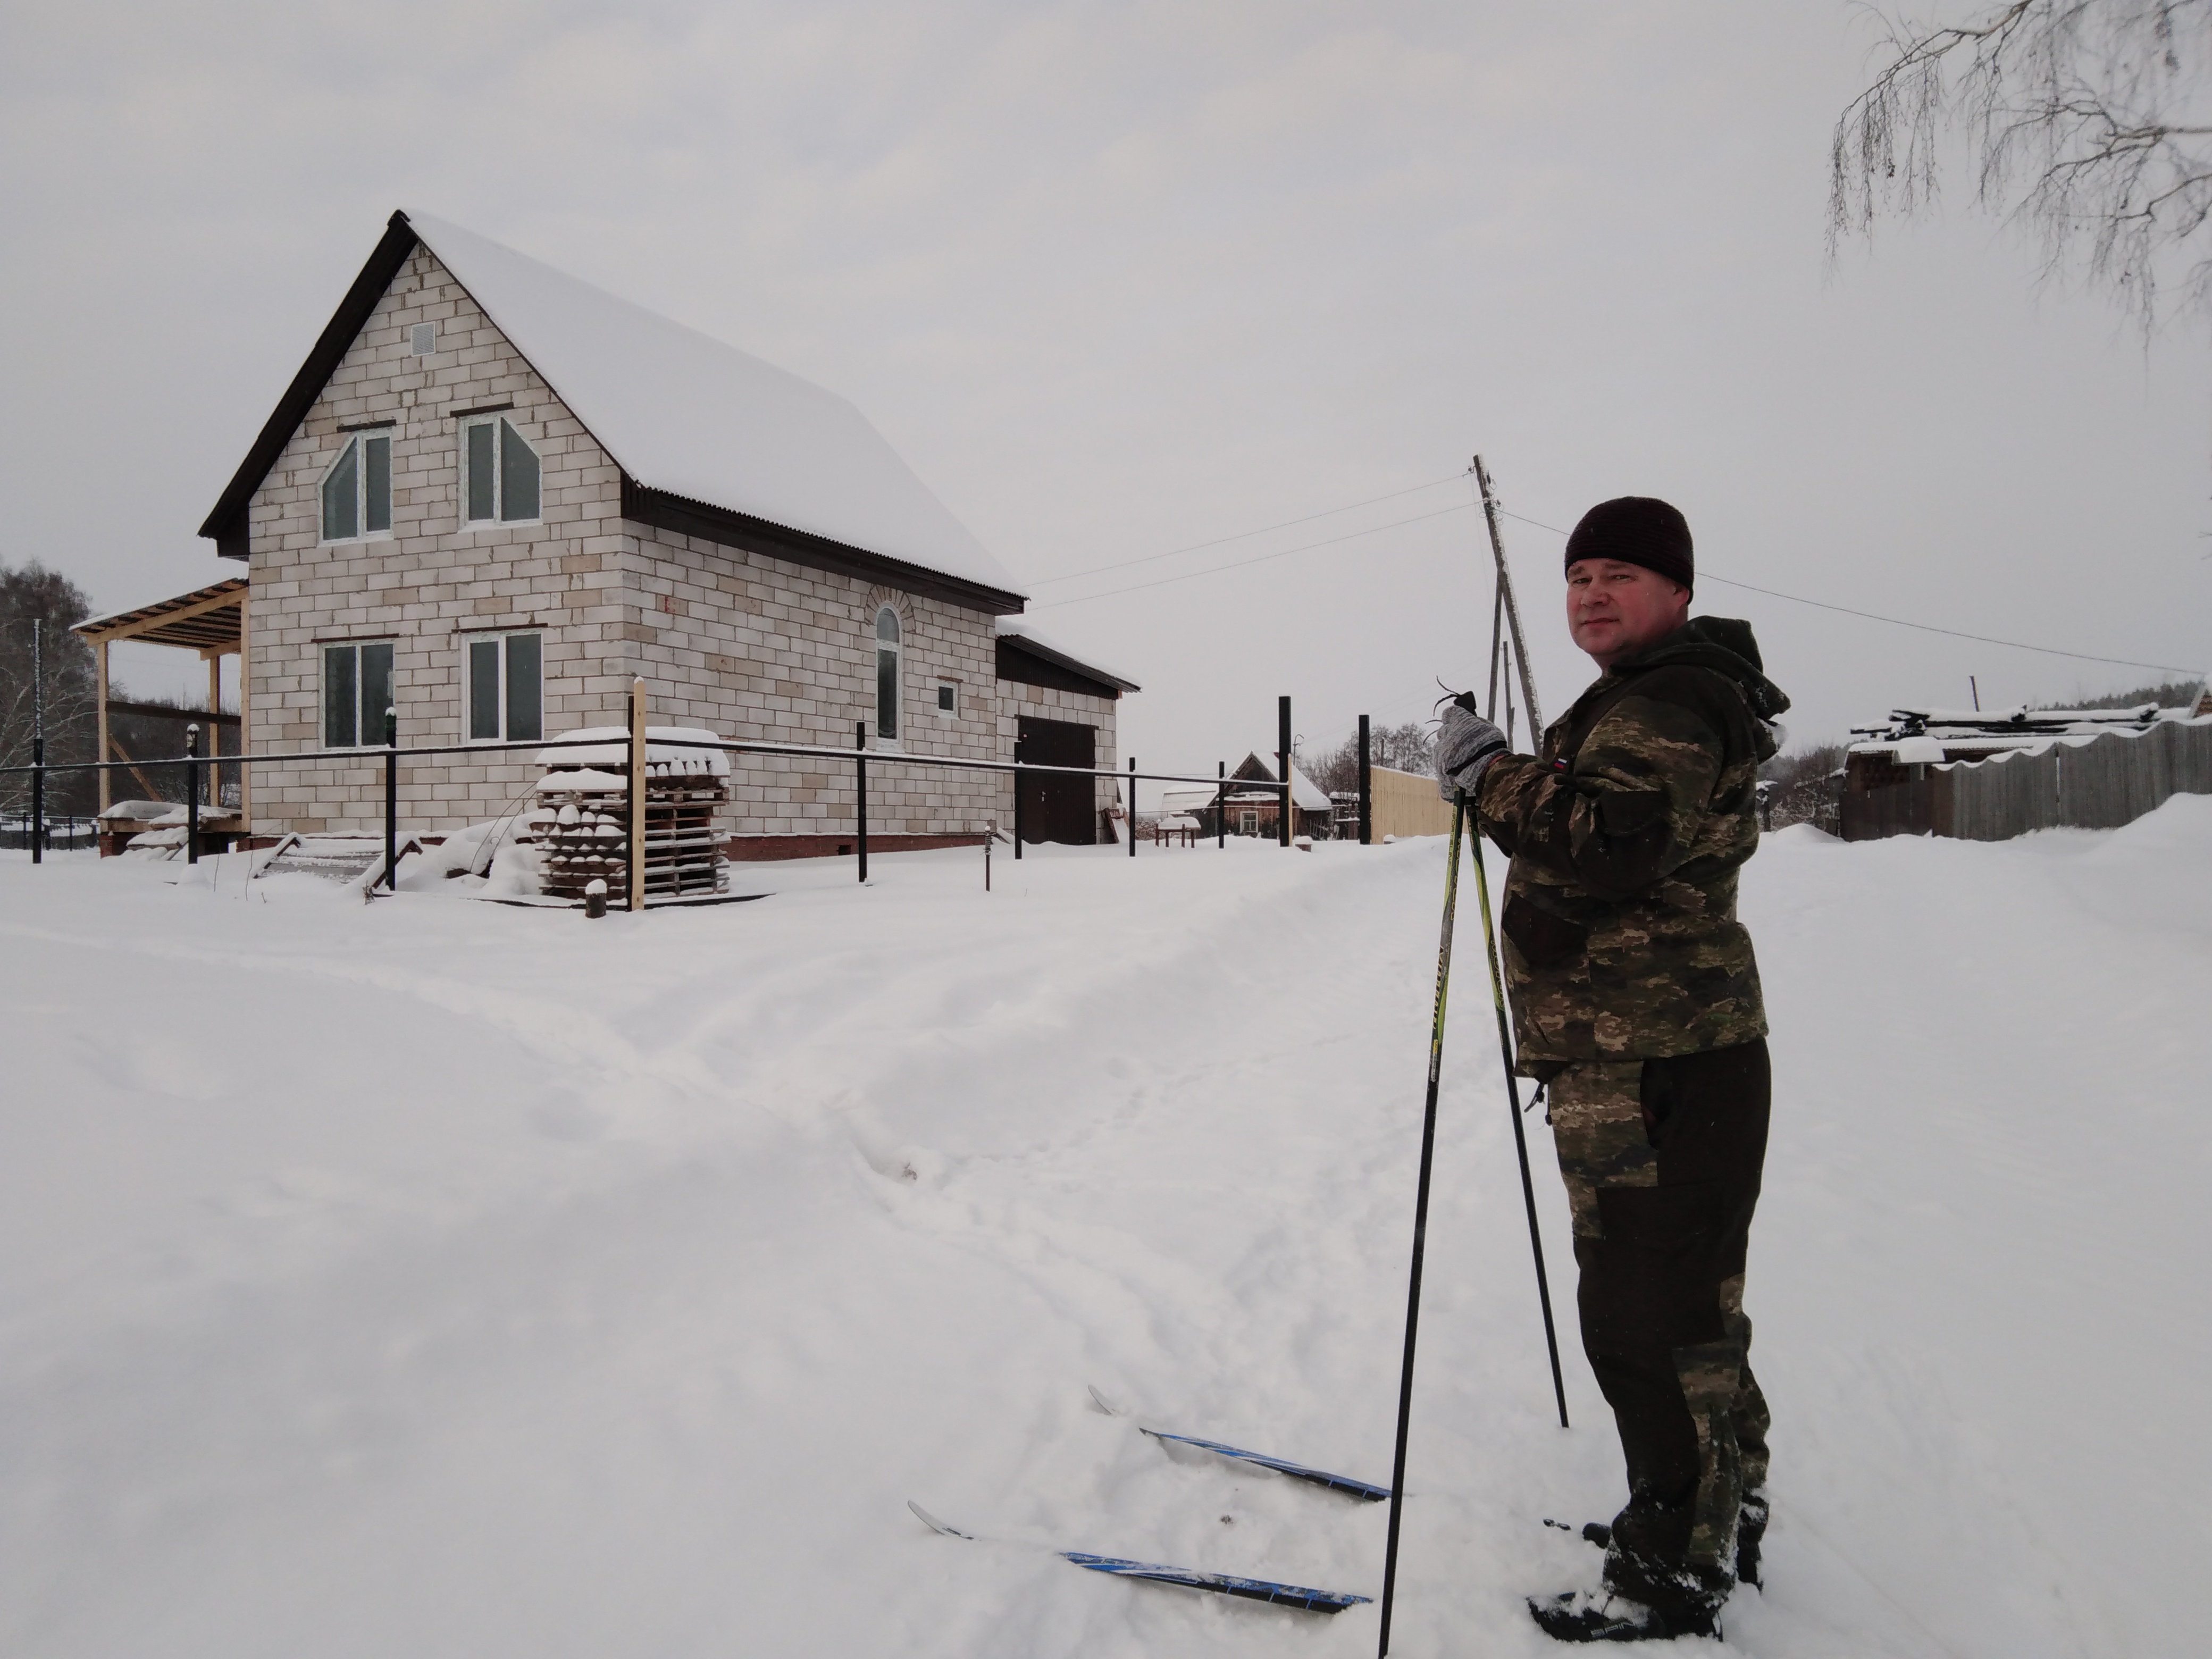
pixel 1283 755
pixel 38 740
pixel 1221 805
pixel 1366 787
pixel 391 801
pixel 1018 797
pixel 860 790
pixel 635 873
pixel 1133 806
pixel 192 794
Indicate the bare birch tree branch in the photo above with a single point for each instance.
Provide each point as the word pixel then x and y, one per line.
pixel 2087 123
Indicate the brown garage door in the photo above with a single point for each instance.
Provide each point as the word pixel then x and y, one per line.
pixel 1058 809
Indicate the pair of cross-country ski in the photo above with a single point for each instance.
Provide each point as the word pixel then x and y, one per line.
pixel 1252 1590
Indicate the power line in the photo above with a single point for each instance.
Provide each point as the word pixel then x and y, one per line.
pixel 1899 621
pixel 1216 569
pixel 1244 535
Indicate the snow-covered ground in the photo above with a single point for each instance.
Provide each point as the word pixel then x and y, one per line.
pixel 436 1278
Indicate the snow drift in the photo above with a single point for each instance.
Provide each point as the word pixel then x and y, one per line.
pixel 439 1277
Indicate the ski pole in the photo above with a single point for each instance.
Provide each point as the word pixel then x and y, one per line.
pixel 1520 1139
pixel 1421 1212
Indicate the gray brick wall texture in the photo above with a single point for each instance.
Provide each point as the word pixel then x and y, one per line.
pixel 745 645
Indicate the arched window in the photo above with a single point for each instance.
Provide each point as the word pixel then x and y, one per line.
pixel 887 674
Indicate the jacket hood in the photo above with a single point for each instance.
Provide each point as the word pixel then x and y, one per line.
pixel 1724 645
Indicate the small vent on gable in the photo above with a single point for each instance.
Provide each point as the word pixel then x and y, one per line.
pixel 423 339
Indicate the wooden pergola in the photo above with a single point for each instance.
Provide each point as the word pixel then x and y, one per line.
pixel 212 621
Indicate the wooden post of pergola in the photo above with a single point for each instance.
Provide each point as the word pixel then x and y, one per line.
pixel 212 621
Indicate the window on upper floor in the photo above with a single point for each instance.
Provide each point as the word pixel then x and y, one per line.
pixel 504 688
pixel 499 473
pixel 357 692
pixel 357 488
pixel 948 701
pixel 888 648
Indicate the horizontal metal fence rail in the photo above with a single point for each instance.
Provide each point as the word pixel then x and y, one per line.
pixel 390 755
pixel 803 750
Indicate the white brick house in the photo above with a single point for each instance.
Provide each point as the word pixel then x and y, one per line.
pixel 493 493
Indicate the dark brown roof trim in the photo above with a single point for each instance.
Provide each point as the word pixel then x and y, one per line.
pixel 1025 662
pixel 481 409
pixel 163 712
pixel 663 511
pixel 227 525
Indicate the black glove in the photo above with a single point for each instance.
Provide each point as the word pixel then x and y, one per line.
pixel 1466 745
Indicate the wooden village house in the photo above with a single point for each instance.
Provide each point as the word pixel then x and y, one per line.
pixel 1254 811
pixel 493 495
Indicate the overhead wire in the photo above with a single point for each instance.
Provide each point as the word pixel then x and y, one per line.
pixel 1899 622
pixel 1520 518
pixel 1239 564
pixel 1244 535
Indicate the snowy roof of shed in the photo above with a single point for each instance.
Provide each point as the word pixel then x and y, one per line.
pixel 1961 731
pixel 1024 634
pixel 711 440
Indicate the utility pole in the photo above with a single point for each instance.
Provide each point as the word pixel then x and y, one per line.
pixel 1512 608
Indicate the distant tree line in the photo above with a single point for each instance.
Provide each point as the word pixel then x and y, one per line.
pixel 35 594
pixel 2173 694
pixel 1408 748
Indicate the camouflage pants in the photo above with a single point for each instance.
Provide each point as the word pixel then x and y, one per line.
pixel 1662 1161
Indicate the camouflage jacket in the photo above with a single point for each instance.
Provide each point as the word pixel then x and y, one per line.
pixel 1627 834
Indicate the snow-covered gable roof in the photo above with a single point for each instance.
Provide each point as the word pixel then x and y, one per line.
pixel 1305 794
pixel 681 413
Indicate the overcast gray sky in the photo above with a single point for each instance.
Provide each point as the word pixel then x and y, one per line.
pixel 1119 279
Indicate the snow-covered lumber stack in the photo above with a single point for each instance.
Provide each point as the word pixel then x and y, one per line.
pixel 581 825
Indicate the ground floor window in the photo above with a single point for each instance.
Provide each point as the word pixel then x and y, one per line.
pixel 504 688
pixel 356 691
pixel 1248 823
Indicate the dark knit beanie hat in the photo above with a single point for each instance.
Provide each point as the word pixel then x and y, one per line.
pixel 1637 530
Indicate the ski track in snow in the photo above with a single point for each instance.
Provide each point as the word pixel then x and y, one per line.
pixel 443 1278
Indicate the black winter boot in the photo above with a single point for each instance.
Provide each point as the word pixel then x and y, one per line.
pixel 1579 1616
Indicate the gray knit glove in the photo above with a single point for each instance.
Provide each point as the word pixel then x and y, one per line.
pixel 1466 745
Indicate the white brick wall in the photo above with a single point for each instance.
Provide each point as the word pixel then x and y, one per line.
pixel 752 647
pixel 744 644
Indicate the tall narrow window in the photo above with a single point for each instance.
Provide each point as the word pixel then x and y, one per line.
pixel 356 691
pixel 357 488
pixel 500 472
pixel 887 674
pixel 504 676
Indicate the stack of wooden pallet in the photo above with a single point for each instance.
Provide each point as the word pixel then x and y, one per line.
pixel 581 828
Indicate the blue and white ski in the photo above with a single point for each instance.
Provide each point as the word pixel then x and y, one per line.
pixel 1218 1583
pixel 1366 1491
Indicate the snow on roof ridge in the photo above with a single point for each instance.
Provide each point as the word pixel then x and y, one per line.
pixel 683 412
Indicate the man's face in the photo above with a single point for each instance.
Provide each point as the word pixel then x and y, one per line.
pixel 1615 610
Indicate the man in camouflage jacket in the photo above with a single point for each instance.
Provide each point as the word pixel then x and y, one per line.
pixel 1636 999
